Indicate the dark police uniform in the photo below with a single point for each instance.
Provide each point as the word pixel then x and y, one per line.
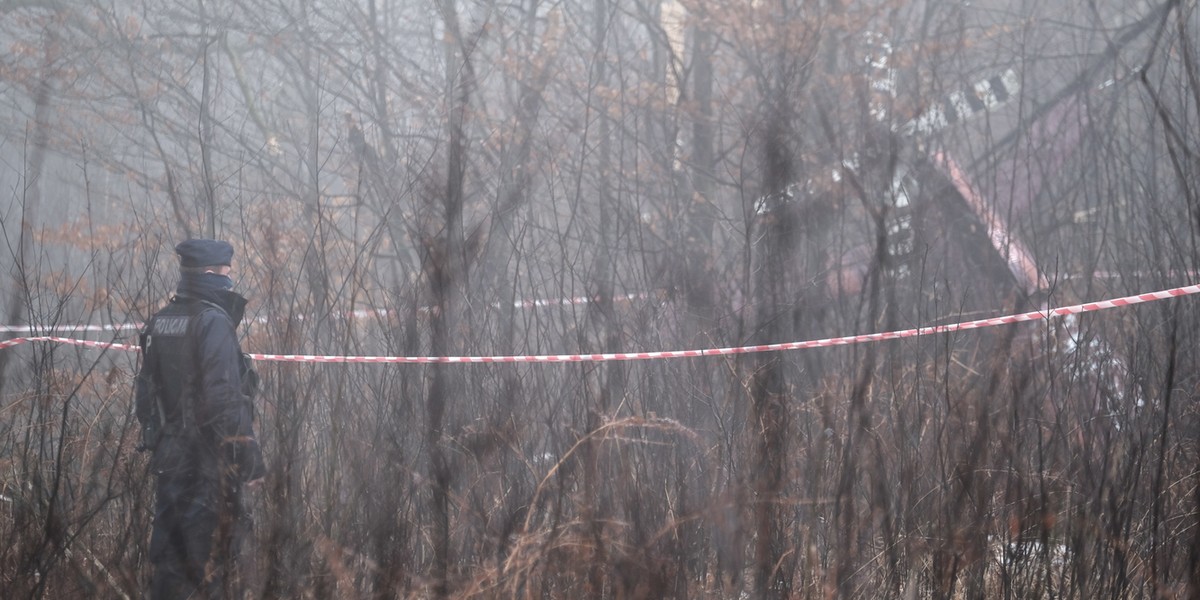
pixel 194 403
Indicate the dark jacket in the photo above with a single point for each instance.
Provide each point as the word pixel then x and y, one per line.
pixel 194 389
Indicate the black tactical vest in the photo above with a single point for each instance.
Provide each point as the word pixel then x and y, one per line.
pixel 169 354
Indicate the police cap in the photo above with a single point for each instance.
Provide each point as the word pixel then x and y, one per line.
pixel 204 253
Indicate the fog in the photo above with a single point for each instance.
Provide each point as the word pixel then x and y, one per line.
pixel 467 178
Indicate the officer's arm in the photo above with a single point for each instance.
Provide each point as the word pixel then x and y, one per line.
pixel 145 406
pixel 222 409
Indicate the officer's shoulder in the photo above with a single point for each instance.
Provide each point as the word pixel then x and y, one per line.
pixel 211 314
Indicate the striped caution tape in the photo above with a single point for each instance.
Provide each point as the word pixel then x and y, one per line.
pixel 69 328
pixel 69 341
pixel 602 357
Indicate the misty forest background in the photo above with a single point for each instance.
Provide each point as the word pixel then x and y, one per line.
pixel 407 178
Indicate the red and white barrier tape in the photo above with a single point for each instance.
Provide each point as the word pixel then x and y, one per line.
pixel 557 358
pixel 73 342
pixel 69 328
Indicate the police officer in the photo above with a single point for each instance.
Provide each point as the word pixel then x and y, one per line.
pixel 193 400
